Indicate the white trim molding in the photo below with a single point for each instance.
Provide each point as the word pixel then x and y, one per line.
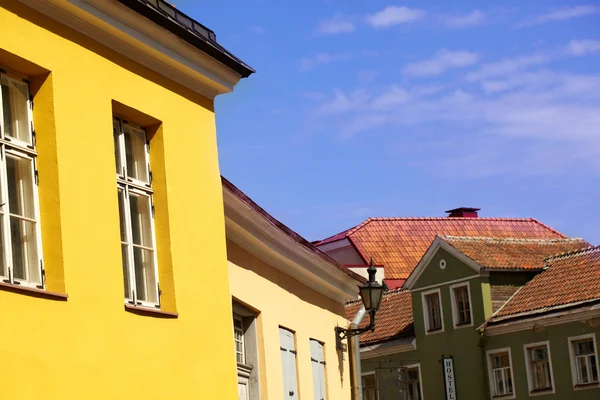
pixel 489 355
pixel 253 232
pixel 388 348
pixel 454 305
pixel 135 37
pixel 426 311
pixel 576 384
pixel 530 388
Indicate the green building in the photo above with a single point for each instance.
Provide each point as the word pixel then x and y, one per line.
pixel 479 308
pixel 492 318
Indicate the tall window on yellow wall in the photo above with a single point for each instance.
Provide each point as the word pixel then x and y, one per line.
pixel 138 243
pixel 20 238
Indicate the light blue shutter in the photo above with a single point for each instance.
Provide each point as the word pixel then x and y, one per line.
pixel 288 364
pixel 318 369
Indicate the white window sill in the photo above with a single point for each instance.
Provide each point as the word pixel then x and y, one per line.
pixel 150 311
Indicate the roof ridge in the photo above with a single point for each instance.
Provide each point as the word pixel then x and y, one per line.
pixel 516 240
pixel 567 254
pixel 351 231
pixel 528 219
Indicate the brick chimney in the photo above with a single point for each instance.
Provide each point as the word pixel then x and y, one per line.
pixel 463 212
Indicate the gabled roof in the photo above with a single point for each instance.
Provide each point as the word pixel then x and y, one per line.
pixel 399 243
pixel 511 253
pixel 287 231
pixel 393 318
pixel 571 278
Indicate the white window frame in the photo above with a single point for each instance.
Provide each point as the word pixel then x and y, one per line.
pixel 530 388
pixel 455 305
pixel 426 311
pixel 418 367
pixel 26 150
pixel 243 342
pixel 135 186
pixel 492 382
pixel 576 384
pixel 376 383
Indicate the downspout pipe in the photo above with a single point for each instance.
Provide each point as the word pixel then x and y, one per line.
pixel 355 354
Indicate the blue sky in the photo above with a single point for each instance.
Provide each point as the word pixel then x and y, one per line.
pixel 387 108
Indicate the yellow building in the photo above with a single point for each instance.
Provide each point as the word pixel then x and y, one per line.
pixel 287 297
pixel 114 278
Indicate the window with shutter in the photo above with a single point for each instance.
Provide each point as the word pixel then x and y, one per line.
pixel 20 233
pixel 318 369
pixel 288 364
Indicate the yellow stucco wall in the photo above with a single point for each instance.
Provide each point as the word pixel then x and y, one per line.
pixel 283 301
pixel 89 347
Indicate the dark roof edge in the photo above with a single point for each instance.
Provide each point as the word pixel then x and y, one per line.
pixel 210 47
pixel 293 235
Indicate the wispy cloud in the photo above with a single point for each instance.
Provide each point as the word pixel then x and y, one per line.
pixel 336 25
pixel 561 14
pixel 308 63
pixel 507 66
pixel 258 30
pixel 394 15
pixel 583 47
pixel 473 18
pixel 526 121
pixel 441 61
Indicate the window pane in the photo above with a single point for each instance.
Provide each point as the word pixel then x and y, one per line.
pixel 24 250
pixel 22 232
pixel 125 263
pixel 3 271
pixel 20 186
pixel 141 219
pixel 14 108
pixel 135 153
pixel 145 279
pixel 118 156
pixel 122 214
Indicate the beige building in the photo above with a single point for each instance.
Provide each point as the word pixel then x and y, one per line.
pixel 288 297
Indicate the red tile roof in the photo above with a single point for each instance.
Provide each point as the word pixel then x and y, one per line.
pixel 510 253
pixel 394 317
pixel 399 243
pixel 570 278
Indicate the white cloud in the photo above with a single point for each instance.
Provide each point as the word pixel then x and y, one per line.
pixel 541 124
pixel 307 63
pixel 442 61
pixel 562 14
pixel 473 18
pixel 394 15
pixel 335 26
pixel 583 47
pixel 508 66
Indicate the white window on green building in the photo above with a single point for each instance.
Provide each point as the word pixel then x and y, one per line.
pixel 20 233
pixel 369 383
pixel 539 367
pixel 500 373
pixel 432 311
pixel 584 360
pixel 461 305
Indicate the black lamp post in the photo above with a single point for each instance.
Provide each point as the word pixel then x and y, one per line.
pixel 371 294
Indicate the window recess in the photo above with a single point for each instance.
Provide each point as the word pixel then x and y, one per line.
pixel 136 212
pixel 20 233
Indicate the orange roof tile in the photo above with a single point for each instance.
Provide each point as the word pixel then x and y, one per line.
pixel 393 318
pixel 511 253
pixel 399 243
pixel 570 278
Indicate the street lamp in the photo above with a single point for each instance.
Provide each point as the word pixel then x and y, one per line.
pixel 371 294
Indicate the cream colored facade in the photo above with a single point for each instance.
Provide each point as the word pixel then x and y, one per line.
pixel 287 284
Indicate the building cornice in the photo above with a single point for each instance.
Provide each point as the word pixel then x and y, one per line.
pixel 132 35
pixel 584 313
pixel 250 230
pixel 388 348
